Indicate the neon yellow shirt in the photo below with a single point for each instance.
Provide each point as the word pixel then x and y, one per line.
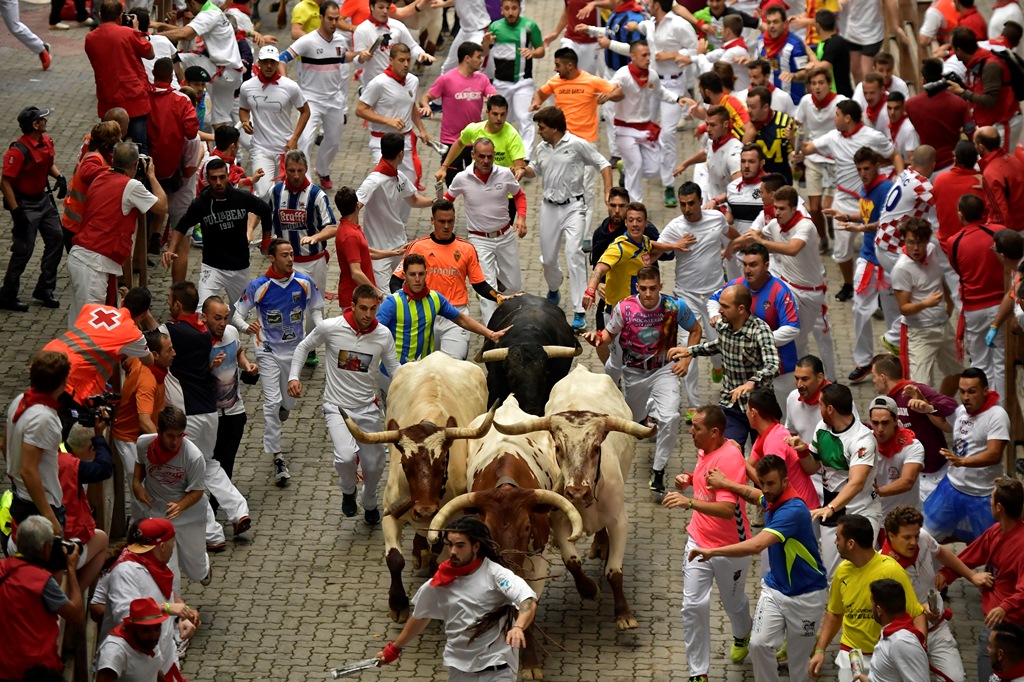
pixel 307 13
pixel 625 258
pixel 850 597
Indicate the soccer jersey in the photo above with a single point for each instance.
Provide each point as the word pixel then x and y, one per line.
pixel 463 99
pixel 909 197
pixel 625 258
pixel 838 453
pixel 306 13
pixel 872 199
pixel 577 98
pixel 745 204
pixel 699 269
pixel 323 71
pixel 283 305
pixel 789 58
pixel 301 214
pixel 774 304
pixel 772 139
pixel 508 145
pixel 971 434
pixel 271 107
pixel 411 322
pixel 794 564
pixel 509 65
pixel 850 597
pixel 647 334
pixel 226 373
pixel 448 266
pixel 712 531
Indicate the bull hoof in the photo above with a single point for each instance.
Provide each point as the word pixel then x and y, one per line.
pixel 627 622
pixel 532 673
pixel 401 615
pixel 588 589
pixel 416 561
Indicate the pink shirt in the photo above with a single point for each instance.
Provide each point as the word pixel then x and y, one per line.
pixel 773 442
pixel 711 531
pixel 462 99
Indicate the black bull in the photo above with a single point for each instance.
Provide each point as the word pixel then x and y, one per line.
pixel 533 356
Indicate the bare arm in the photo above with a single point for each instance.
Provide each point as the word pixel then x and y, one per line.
pixel 146 424
pixel 31 456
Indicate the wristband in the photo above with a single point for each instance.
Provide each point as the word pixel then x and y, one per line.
pixel 829 506
pixel 819 651
pixel 264 243
pixel 391 653
pixel 691 504
pixel 590 292
pixel 167 608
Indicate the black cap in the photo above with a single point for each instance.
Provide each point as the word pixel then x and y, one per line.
pixel 197 74
pixel 30 115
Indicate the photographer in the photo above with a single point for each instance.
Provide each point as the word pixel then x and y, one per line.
pixel 33 436
pixel 32 599
pixel 115 203
pixel 988 87
pixel 116 51
pixel 939 116
pixel 85 458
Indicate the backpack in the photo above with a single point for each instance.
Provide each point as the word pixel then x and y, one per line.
pixel 1016 68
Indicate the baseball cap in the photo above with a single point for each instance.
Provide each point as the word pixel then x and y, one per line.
pixel 884 402
pixel 269 52
pixel 197 74
pixel 30 115
pixel 149 534
pixel 145 612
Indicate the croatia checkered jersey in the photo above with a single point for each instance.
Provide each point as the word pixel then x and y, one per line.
pixel 282 306
pixel 909 197
pixel 301 214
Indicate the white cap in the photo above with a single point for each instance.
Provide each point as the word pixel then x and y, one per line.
pixel 268 52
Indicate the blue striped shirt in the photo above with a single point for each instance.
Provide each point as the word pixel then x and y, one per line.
pixel 412 322
pixel 301 214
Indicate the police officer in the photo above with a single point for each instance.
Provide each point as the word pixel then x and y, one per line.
pixel 27 164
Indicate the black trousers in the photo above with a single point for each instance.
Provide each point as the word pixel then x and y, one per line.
pixel 230 429
pixel 56 6
pixel 41 218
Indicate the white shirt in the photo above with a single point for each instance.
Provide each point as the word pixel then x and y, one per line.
pixel 638 104
pixel 169 482
pixel 723 164
pixel 815 122
pixel 781 100
pixel 162 47
pixel 117 655
pixel 698 270
pixel 921 281
pixel 907 139
pixel 673 34
pixel 218 35
pixel 899 658
pixel 463 602
pixel 745 204
pixel 134 196
pixel 40 426
pixel 323 72
pixel 842 150
pixel 804 270
pixel 897 84
pixel 472 15
pixel 561 167
pixel 730 53
pixel 227 372
pixel 889 469
pixel 353 360
pixel 861 22
pixel 999 17
pixel 485 201
pixel 126 582
pixel 366 35
pixel 242 20
pixel 382 197
pixel 387 97
pixel 970 437
pixel 857 448
pixel 271 110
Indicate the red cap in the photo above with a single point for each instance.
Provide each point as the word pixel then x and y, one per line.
pixel 149 534
pixel 145 612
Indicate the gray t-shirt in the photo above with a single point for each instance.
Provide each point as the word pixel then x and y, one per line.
pixel 54 598
pixel 169 482
pixel 39 425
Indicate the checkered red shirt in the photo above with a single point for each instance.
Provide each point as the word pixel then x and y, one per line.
pixel 910 197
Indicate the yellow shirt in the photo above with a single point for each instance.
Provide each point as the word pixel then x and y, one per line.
pixel 625 258
pixel 307 13
pixel 577 98
pixel 850 597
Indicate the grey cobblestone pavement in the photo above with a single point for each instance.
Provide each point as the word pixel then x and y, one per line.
pixel 309 591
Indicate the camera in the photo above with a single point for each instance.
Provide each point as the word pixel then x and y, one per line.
pixel 59 552
pixel 96 406
pixel 144 162
pixel 935 87
pixel 128 19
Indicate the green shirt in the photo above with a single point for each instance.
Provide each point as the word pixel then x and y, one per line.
pixel 508 146
pixel 509 65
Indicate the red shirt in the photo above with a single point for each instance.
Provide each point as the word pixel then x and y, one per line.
pixel 1002 554
pixel 172 121
pixel 773 442
pixel 28 176
pixel 947 188
pixel 572 8
pixel 359 11
pixel 972 19
pixel 1005 177
pixel 981 273
pixel 351 247
pixel 938 121
pixel 116 54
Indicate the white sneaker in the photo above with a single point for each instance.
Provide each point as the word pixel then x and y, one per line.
pixel 61 26
pixel 88 23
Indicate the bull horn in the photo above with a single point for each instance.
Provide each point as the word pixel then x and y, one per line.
pixel 454 432
pixel 558 502
pixel 374 438
pixel 492 355
pixel 629 427
pixel 446 512
pixel 524 427
pixel 562 351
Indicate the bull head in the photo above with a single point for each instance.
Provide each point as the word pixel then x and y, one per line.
pixel 524 502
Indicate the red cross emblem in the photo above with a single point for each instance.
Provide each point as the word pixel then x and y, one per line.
pixel 103 318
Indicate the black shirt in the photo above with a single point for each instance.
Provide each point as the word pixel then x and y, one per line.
pixel 836 51
pixel 191 366
pixel 225 226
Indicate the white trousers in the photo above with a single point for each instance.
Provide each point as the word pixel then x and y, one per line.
pixel 781 618
pixel 465 35
pixel 928 482
pixel 220 92
pixel 189 557
pixel 274 369
pixel 656 395
pixel 887 259
pixel 408 165
pixel 202 430
pixel 698 303
pixel 332 119
pixel 782 386
pixel 215 282
pixel 641 159
pixel 932 352
pixel 12 18
pixel 271 165
pixel 875 292
pixel 383 268
pixel 670 115
pixel 731 576
pixel 830 555
pixel 944 653
pixel 450 338
pixel 129 457
pixel 88 285
pixel 566 224
pixel 348 452
pixel 846 245
pixel 520 97
pixel 499 259
pixel 812 309
pixel 316 270
pixel 948 273
pixel 990 360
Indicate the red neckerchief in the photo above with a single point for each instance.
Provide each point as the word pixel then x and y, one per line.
pixel 385 168
pixel 797 217
pixel 222 155
pixel 904 622
pixel 162 575
pixel 900 440
pixel 773 46
pixel 813 400
pixel 1001 40
pixel 391 74
pixel 990 401
pixel 769 85
pixel 903 561
pixel 856 129
pixel 379 24
pixel 738 42
pixel 873 110
pixel 788 494
pixel 753 180
pixel 629 6
pixel 639 75
pixel 894 127
pixel 446 573
pixel 34 397
pixel 879 179
pixel 271 273
pixel 717 144
pixel 823 103
pixel 129 636
pixel 923 261
pixel 267 81
pixel 159 374
pixel 414 296
pixel 158 454
pixel 351 319
pixel 761 124
pixel 980 55
pixel 1017 670
pixel 193 320
pixel 1003 3
pixel 304 185
pixel 769 213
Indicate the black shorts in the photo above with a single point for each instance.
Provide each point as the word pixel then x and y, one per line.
pixel 866 50
pixel 602 310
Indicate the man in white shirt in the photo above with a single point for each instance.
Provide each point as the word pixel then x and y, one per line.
pixel 900 655
pixel 388 104
pixel 386 197
pixel 561 159
pixel 745 200
pixel 484 188
pixel 128 654
pixel 734 52
pixel 265 105
pixel 323 78
pixel 373 41
pixel 901 130
pixel 900 457
pixel 360 344
pixel 721 150
pixel 885 66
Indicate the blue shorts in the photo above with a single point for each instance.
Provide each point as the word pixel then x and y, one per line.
pixel 949 513
pixel 737 427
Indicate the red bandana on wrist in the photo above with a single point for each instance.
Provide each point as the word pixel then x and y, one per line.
pixel 193 320
pixel 446 573
pixel 385 168
pixel 158 454
pixel 267 81
pixel 821 104
pixel 391 74
pixel 816 396
pixel 851 133
pixel 34 397
pixel 351 319
pixel 873 110
pixel 641 76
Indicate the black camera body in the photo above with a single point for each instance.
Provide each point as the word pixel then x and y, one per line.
pixel 128 19
pixel 101 405
pixel 59 552
pixel 935 87
pixel 141 173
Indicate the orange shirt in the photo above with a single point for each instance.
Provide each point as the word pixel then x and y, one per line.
pixel 359 10
pixel 448 266
pixel 577 98
pixel 140 394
